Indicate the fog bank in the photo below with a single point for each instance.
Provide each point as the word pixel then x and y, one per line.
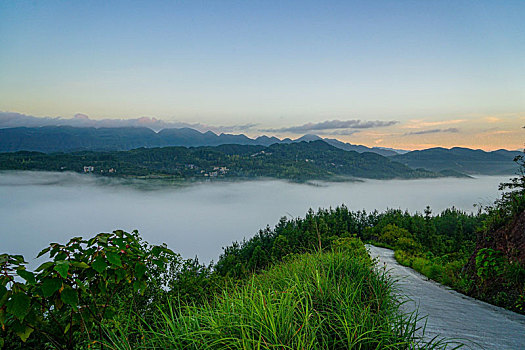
pixel 37 208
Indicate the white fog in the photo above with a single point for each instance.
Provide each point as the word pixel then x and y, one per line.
pixel 37 208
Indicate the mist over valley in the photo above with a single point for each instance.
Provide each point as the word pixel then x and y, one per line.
pixel 37 208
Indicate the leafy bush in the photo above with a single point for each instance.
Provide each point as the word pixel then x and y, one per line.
pixel 67 298
pixel 408 245
pixel 391 233
pixel 353 245
pixel 490 264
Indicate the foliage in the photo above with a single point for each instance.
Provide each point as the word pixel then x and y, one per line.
pixel 70 296
pixel 489 263
pixel 452 234
pixel 512 201
pixel 390 234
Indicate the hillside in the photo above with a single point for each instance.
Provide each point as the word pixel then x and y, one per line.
pixel 295 161
pixel 463 160
pixel 498 261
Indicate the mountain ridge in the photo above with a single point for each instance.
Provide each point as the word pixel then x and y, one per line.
pixel 461 159
pixel 49 139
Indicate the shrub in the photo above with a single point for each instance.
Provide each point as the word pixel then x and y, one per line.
pixel 408 245
pixel 391 233
pixel 67 298
pixel 489 263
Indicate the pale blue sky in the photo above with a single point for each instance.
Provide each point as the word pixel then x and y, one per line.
pixel 274 63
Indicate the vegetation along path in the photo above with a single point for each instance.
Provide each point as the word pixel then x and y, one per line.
pixel 450 314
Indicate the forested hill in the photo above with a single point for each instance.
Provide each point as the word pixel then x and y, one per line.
pixel 295 161
pixel 463 160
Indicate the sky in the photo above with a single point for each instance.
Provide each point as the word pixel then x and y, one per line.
pixel 402 74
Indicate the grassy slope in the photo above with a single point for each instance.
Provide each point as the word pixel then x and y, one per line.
pixel 336 300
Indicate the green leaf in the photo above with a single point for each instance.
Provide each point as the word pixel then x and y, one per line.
pixel 140 270
pixel 25 333
pixel 80 285
pixel 44 266
pixel 102 238
pixel 18 305
pixel 62 267
pixel 50 286
pixel 143 287
pixel 43 251
pixel 19 259
pixel 80 264
pixel 121 274
pixel 60 256
pixel 28 276
pixel 75 240
pixel 156 250
pixel 99 264
pixel 114 258
pixel 159 263
pixel 119 242
pixel 136 286
pixel 22 331
pixel 169 251
pixel 69 296
pixel 139 286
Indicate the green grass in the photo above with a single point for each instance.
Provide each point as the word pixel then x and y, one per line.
pixel 336 300
pixel 447 273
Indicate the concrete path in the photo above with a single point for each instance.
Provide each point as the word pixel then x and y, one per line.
pixel 453 315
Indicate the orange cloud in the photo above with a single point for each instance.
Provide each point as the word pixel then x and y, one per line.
pixel 418 123
pixel 492 119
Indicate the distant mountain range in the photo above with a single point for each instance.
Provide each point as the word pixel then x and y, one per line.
pixel 462 160
pixel 49 139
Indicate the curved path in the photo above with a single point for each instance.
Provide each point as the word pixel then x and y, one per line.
pixel 453 315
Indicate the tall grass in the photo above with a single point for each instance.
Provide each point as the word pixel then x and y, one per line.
pixel 336 300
